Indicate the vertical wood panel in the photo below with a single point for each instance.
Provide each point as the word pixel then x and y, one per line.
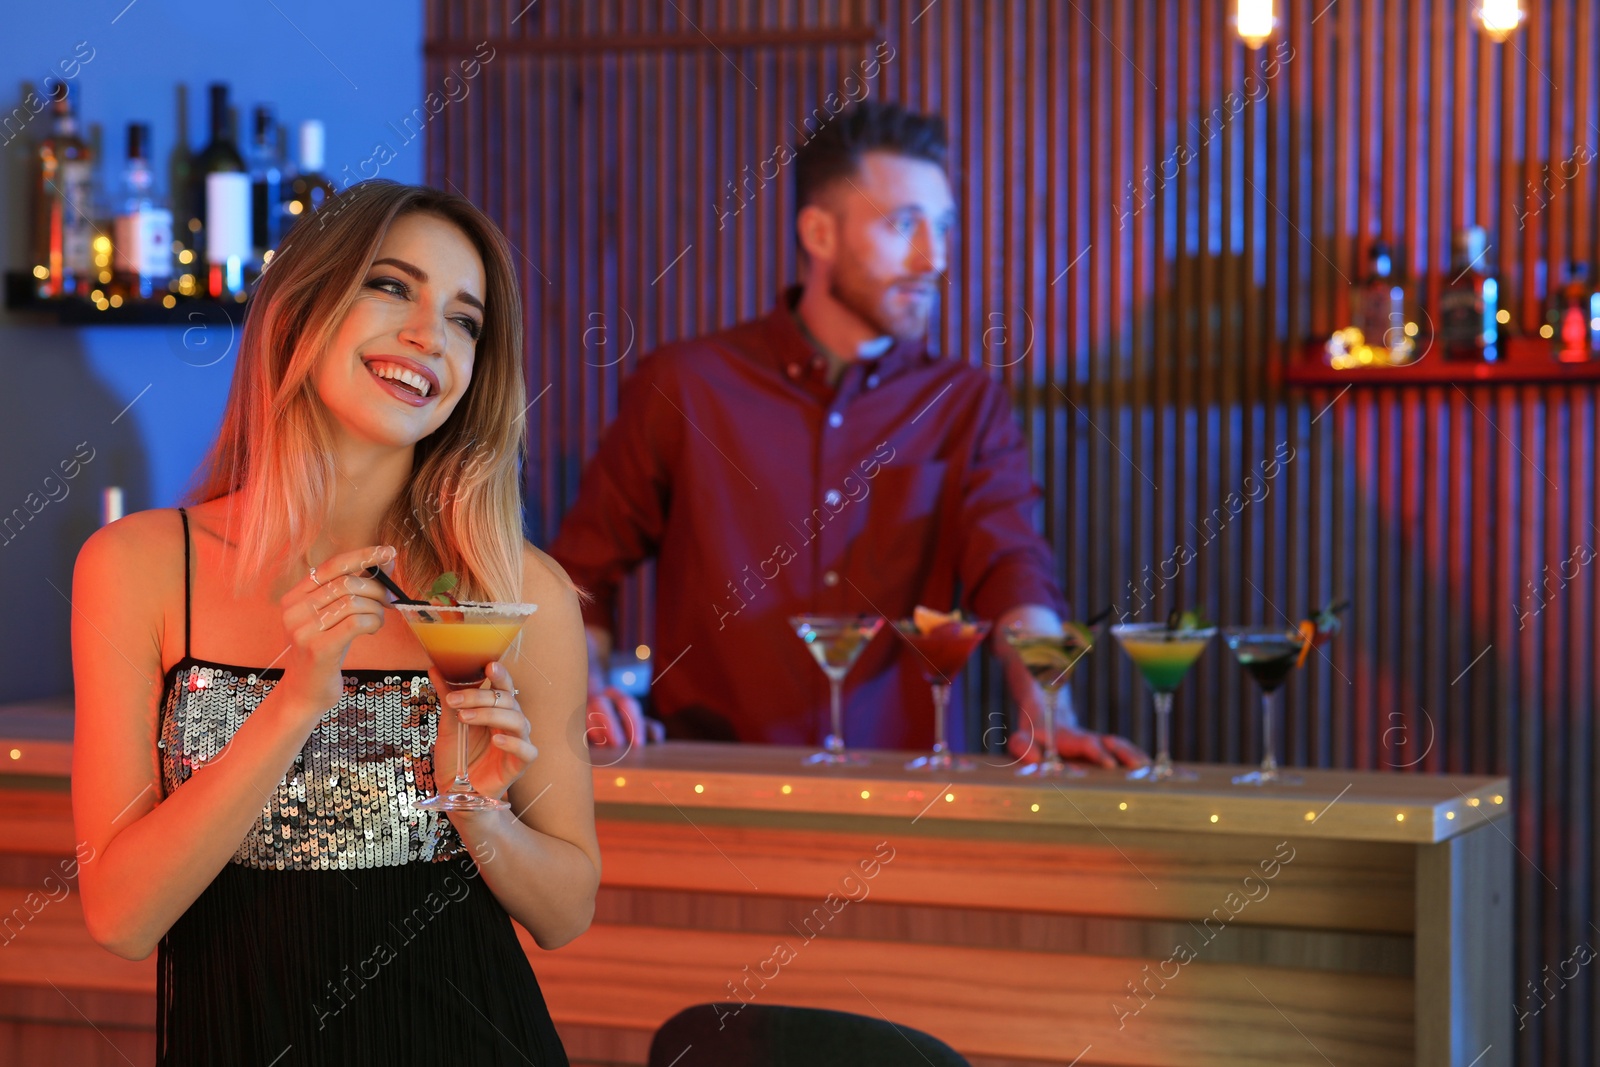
pixel 608 135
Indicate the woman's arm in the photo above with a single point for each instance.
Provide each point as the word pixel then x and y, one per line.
pixel 541 858
pixel 154 857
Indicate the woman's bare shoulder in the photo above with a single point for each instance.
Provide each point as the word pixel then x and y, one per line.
pixel 544 580
pixel 150 539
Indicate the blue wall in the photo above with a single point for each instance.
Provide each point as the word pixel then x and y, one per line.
pixel 356 67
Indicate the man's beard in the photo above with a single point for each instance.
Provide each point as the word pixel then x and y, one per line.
pixel 868 301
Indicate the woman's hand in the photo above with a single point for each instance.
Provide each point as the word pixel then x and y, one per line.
pixel 326 611
pixel 498 749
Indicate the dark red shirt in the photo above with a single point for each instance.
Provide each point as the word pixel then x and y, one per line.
pixel 763 492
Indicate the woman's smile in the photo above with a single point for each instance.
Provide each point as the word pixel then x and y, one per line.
pixel 405 379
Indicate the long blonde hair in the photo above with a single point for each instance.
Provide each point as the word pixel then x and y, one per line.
pixel 461 509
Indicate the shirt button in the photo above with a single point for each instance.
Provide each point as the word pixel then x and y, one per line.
pixel 794 370
pixel 835 419
pixel 872 381
pixel 830 579
pixel 832 498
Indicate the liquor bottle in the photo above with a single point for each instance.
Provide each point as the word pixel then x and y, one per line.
pixel 1574 321
pixel 219 156
pixel 141 237
pixel 63 233
pixel 180 193
pixel 309 189
pixel 1469 306
pixel 266 180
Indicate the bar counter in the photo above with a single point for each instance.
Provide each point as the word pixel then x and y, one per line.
pixel 1359 918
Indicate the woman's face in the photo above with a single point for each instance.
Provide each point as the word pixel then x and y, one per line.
pixel 402 358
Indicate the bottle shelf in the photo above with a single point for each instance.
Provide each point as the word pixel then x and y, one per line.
pixel 1528 359
pixel 21 296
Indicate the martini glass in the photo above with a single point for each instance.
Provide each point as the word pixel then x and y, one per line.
pixel 1268 653
pixel 836 642
pixel 1163 657
pixel 462 640
pixel 941 654
pixel 1050 658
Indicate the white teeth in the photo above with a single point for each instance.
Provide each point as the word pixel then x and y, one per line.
pixel 401 374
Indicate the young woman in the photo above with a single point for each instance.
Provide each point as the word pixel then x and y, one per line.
pixel 255 726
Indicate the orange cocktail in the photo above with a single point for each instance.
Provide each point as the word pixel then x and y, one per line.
pixel 462 640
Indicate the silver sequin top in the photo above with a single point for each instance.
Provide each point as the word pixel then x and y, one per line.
pixel 350 799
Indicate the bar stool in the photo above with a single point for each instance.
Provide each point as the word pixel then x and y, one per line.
pixel 760 1035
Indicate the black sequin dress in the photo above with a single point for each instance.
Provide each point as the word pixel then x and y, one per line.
pixel 350 927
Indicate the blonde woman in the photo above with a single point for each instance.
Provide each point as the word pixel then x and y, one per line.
pixel 255 725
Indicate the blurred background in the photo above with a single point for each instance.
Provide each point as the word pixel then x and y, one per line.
pixel 145 401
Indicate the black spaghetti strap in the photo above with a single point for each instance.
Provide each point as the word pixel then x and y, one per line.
pixel 185 516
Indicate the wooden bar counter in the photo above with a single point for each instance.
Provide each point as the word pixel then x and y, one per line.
pixel 1358 919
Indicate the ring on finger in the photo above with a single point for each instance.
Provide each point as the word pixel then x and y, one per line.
pixel 314 577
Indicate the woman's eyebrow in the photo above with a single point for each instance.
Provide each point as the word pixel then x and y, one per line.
pixel 422 276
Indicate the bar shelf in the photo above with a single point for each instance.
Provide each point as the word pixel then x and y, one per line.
pixel 1528 361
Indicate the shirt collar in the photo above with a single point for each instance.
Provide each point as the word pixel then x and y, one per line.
pixel 797 356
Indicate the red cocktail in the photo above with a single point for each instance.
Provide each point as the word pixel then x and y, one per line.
pixel 940 647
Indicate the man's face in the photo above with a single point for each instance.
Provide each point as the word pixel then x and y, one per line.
pixel 891 221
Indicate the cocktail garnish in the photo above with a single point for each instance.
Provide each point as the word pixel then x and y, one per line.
pixel 1327 621
pixel 1321 627
pixel 926 620
pixel 1193 619
pixel 1308 640
pixel 439 593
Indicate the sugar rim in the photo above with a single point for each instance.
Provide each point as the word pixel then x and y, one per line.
pixel 1157 630
pixel 471 608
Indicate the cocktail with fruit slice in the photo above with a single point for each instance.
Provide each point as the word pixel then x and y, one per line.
pixel 836 642
pixel 1163 653
pixel 1050 658
pixel 1268 654
pixel 462 640
pixel 940 644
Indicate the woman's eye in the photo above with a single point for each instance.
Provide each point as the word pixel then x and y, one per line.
pixel 389 285
pixel 472 326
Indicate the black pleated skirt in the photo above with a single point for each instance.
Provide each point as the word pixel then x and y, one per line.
pixel 412 964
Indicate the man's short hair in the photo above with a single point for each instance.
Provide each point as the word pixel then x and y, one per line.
pixel 835 150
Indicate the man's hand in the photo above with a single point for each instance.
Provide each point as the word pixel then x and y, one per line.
pixel 1073 743
pixel 1085 746
pixel 613 719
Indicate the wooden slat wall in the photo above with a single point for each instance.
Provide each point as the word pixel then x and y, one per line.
pixel 1141 347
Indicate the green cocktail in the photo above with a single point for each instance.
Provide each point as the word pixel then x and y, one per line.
pixel 1163 656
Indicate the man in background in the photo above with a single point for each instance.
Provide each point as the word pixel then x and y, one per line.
pixel 821 460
